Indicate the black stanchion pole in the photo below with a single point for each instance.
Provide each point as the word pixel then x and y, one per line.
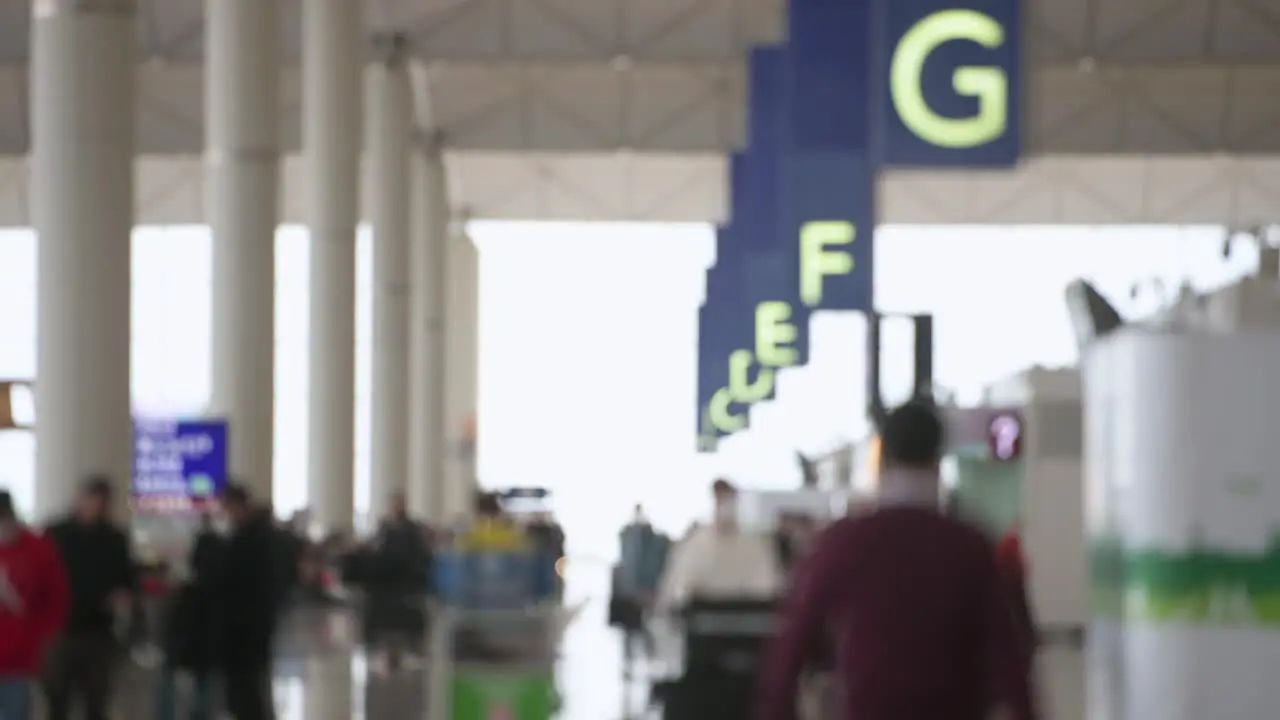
pixel 922 368
pixel 876 409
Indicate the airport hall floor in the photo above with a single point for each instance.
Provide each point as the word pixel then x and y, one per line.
pixel 321 674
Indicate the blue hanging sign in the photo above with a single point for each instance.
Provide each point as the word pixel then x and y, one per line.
pixel 861 85
pixel 179 459
pixel 780 318
pixel 947 77
pixel 723 329
pixel 828 179
pixel 765 285
pixel 717 416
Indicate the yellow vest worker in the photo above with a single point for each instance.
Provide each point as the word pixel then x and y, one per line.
pixel 494 535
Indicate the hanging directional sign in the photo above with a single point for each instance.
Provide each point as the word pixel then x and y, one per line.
pixel 723 327
pixel 179 459
pixel 946 81
pixel 860 86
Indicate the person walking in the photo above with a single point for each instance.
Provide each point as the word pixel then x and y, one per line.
pixel 642 554
pixel 909 602
pixel 248 597
pixel 102 578
pixel 396 587
pixel 33 607
pixel 1013 570
pixel 190 630
pixel 720 560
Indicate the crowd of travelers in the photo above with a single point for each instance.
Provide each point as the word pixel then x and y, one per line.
pixel 72 593
pixel 71 597
pixel 913 611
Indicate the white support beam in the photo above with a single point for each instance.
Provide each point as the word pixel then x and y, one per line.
pixel 1100 189
pixel 82 201
pixel 241 180
pixel 332 102
pixel 389 144
pixel 428 278
pixel 695 108
pixel 462 371
pixel 1170 31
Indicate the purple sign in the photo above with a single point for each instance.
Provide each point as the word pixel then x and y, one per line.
pixel 1004 436
pixel 1000 430
pixel 179 459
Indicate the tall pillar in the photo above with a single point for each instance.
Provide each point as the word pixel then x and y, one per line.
pixel 389 95
pixel 462 369
pixel 82 121
pixel 427 280
pixel 332 66
pixel 242 157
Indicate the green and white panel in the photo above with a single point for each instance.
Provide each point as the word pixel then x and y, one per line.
pixel 1183 512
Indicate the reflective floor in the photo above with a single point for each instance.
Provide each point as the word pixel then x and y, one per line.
pixel 322 676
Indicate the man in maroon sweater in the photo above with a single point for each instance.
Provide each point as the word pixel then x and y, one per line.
pixel 907 602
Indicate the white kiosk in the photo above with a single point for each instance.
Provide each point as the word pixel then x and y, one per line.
pixel 1037 415
pixel 1183 514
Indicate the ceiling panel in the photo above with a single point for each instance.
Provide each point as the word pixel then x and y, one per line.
pixel 700 108
pixel 1141 31
pixel 1209 190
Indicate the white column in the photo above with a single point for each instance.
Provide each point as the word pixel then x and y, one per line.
pixel 462 369
pixel 390 146
pixel 242 120
pixel 82 122
pixel 332 65
pixel 428 272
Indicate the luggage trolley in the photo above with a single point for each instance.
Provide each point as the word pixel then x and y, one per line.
pixel 493 638
pixel 723 642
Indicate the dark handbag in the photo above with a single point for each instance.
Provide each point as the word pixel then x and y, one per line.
pixel 616 611
pixel 625 614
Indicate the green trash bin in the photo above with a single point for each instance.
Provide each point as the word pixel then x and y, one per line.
pixel 502 695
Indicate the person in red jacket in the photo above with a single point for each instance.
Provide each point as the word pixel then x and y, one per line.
pixel 907 601
pixel 33 606
pixel 1014 573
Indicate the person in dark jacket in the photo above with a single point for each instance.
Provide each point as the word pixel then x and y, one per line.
pixel 642 554
pixel 909 602
pixel 248 596
pixel 102 577
pixel 190 629
pixel 288 551
pixel 397 583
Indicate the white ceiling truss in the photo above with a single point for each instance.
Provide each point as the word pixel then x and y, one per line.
pixel 1099 189
pixel 699 108
pixel 651 91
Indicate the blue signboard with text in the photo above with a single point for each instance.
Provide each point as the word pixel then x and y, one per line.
pixel 860 86
pixel 769 323
pixel 717 416
pixel 830 212
pixel 781 327
pixel 179 459
pixel 827 186
pixel 723 330
pixel 946 80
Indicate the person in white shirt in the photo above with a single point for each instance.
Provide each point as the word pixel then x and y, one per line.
pixel 720 561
